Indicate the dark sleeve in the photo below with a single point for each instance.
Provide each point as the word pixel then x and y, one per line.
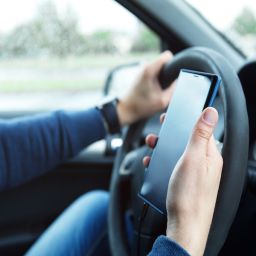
pixel 163 246
pixel 31 146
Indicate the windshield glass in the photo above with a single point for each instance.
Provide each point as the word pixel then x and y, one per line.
pixel 234 19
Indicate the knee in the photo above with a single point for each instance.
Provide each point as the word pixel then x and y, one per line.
pixel 96 195
pixel 97 201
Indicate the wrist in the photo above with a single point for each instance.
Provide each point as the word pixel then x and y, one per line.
pixel 187 237
pixel 110 117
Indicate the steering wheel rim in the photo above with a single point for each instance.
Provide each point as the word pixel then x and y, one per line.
pixel 235 158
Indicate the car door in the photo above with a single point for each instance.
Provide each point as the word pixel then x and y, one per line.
pixel 56 55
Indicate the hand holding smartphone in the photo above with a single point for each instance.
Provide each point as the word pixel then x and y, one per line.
pixel 194 92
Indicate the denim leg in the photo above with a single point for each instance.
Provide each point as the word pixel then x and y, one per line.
pixel 80 230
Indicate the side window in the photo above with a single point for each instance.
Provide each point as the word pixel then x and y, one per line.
pixel 56 54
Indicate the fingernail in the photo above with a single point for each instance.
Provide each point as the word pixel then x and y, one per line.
pixel 210 116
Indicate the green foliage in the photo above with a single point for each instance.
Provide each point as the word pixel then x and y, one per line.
pixel 146 41
pixel 245 23
pixel 101 42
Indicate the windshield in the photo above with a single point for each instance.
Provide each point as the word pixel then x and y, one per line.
pixel 234 19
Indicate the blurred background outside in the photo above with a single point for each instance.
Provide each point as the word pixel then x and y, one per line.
pixel 57 53
pixel 235 19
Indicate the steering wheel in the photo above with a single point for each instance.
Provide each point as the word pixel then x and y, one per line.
pixel 128 171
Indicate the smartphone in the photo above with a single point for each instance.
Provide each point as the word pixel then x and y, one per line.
pixel 194 91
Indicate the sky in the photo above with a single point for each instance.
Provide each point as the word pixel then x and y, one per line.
pixel 95 14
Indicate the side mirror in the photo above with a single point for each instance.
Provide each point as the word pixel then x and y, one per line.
pixel 121 78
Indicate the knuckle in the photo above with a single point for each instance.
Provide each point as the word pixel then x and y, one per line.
pixel 202 133
pixel 162 103
pixel 147 72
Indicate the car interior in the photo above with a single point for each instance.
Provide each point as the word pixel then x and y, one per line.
pixel 115 164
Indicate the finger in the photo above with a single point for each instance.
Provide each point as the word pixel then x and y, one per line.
pixel 157 65
pixel 203 131
pixel 151 140
pixel 162 117
pixel 167 93
pixel 146 161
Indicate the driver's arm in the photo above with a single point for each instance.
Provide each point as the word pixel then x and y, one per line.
pixel 31 146
pixel 192 192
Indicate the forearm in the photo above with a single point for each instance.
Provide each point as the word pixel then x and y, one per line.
pixel 31 146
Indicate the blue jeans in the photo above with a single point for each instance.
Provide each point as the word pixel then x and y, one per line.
pixel 80 230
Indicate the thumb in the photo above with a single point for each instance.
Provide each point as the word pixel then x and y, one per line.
pixel 203 131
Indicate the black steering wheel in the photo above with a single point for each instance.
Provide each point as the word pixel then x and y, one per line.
pixel 128 170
